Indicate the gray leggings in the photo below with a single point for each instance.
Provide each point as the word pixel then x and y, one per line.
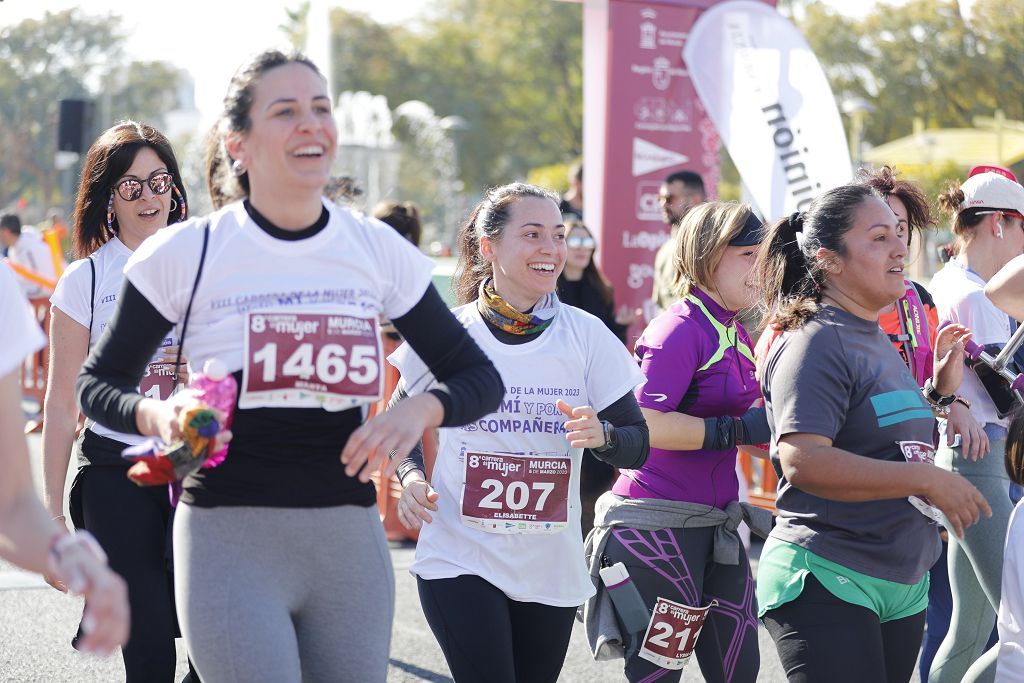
pixel 284 594
pixel 975 569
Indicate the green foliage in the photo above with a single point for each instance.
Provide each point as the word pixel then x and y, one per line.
pixel 933 179
pixel 513 69
pixel 67 54
pixel 921 58
pixel 554 177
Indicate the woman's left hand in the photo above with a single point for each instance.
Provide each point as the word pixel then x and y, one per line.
pixel 583 429
pixel 391 434
pixel 77 561
pixel 948 365
pixel 973 440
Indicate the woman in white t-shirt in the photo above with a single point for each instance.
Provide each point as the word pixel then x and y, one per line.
pixel 28 537
pixel 131 187
pixel 500 564
pixel 282 571
pixel 988 211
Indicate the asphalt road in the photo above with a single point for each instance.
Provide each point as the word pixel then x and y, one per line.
pixel 37 622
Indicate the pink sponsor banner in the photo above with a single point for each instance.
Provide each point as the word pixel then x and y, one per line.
pixel 642 121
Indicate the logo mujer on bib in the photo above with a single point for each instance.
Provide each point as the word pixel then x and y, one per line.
pixel 310 360
pixel 516 494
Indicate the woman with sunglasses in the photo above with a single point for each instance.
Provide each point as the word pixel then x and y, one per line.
pixel 988 217
pixel 131 188
pixel 282 571
pixel 582 285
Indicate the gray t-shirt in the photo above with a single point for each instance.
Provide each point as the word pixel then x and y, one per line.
pixel 840 377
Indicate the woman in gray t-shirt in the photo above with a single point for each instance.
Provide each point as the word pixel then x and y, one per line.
pixel 842 581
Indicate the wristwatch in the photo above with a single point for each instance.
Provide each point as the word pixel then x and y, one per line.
pixel 935 397
pixel 609 437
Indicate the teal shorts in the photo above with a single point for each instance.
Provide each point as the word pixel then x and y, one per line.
pixel 783 566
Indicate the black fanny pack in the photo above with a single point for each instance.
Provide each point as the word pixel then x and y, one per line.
pixel 94 450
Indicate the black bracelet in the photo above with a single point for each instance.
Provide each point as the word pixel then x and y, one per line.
pixel 609 438
pixel 934 397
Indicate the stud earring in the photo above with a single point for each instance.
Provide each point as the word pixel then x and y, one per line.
pixel 237 168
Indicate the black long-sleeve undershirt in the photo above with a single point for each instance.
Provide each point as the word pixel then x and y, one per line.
pixel 107 387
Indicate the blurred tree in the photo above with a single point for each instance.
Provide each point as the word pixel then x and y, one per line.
pixel 369 56
pixel 143 91
pixel 922 59
pixel 42 61
pixel 513 69
pixel 294 27
pixel 67 54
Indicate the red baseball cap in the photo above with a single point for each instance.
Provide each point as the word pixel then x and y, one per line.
pixel 989 168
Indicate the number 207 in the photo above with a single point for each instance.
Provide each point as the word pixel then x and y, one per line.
pixel 517 495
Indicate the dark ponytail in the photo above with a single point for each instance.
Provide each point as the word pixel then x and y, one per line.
pixel 224 186
pixel 788 270
pixel 1013 459
pixel 964 222
pixel 487 219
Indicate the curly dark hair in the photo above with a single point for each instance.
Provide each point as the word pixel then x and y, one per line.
pixel 886 182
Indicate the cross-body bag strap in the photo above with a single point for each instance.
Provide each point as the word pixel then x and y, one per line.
pixel 192 296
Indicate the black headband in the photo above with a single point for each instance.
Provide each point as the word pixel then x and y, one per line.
pixel 750 234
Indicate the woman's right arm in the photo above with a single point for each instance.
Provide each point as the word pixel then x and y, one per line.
pixel 69 344
pixel 33 541
pixel 107 387
pixel 1006 288
pixel 812 464
pixel 468 388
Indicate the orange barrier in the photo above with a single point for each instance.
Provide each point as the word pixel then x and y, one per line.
pixel 389 492
pixel 761 480
pixel 36 365
pixel 30 275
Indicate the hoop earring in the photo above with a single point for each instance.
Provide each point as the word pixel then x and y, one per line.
pixel 110 214
pixel 237 169
pixel 180 202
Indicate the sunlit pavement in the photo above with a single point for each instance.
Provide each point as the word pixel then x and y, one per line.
pixel 37 622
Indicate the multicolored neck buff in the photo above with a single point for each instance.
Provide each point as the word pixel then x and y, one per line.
pixel 502 315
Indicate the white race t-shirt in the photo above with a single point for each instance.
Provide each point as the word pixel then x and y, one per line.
pixel 960 298
pixel 33 253
pixel 576 359
pixel 1010 667
pixel 72 298
pixel 19 333
pixel 345 276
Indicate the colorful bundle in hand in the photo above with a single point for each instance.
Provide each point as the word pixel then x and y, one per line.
pixel 157 464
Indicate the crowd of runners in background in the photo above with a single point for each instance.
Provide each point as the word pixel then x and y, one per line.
pixel 568 452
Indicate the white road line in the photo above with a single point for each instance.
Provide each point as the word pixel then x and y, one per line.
pixel 20 581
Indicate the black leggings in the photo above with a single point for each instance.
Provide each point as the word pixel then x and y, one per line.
pixel 486 636
pixel 822 638
pixel 678 564
pixel 131 523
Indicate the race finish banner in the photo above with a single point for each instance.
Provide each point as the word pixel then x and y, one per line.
pixel 642 121
pixel 770 102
